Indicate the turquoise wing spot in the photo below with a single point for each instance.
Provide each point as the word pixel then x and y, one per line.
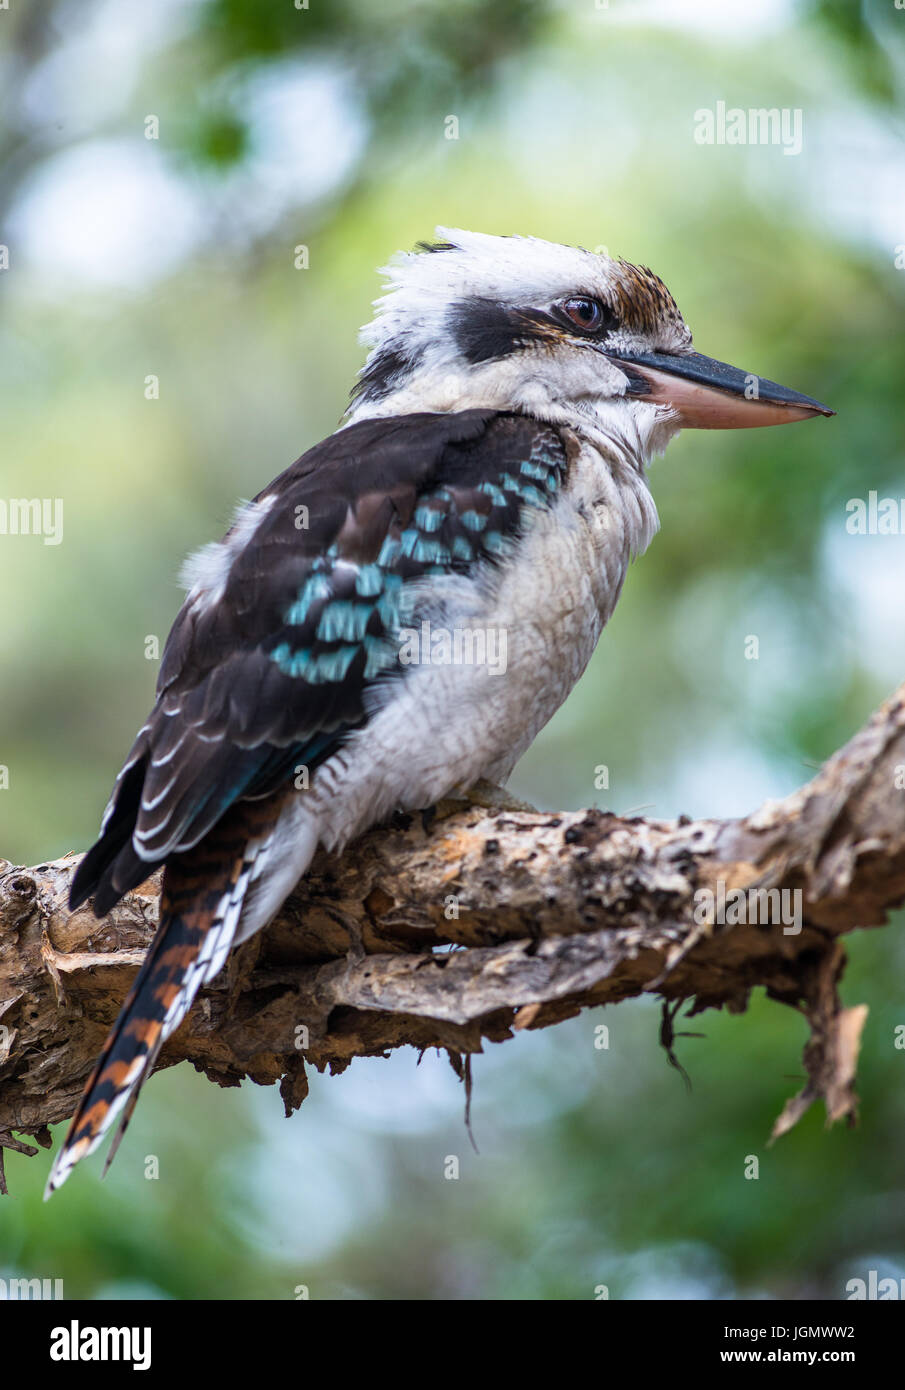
pixel 369 582
pixel 433 553
pixel 319 668
pixel 533 495
pixel 428 518
pixel 494 542
pixel 539 471
pixel 290 662
pixel 474 521
pixel 314 589
pixel 461 549
pixel 424 548
pixel 496 495
pixel 389 553
pixel 343 620
pixel 331 667
pixel 388 605
pixel 525 491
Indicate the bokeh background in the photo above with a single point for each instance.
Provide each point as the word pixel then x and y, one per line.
pixel 325 127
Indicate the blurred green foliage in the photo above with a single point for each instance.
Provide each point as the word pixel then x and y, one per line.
pixel 596 1167
pixel 406 56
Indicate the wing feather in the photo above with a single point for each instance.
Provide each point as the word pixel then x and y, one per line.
pixel 296 614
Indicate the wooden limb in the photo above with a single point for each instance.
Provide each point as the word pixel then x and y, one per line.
pixel 443 930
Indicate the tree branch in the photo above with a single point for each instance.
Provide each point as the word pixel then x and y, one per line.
pixel 468 923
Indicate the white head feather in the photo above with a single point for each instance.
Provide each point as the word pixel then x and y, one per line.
pixel 416 359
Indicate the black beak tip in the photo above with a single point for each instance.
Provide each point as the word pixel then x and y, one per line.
pixel 782 396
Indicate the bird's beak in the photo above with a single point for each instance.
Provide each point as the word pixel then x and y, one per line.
pixel 711 395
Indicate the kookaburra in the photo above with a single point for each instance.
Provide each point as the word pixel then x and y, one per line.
pixel 489 475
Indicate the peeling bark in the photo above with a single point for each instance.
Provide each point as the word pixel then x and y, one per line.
pixel 469 923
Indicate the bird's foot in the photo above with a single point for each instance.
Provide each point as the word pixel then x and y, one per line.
pixel 496 798
pixel 482 793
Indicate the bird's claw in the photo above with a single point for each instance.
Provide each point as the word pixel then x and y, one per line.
pixel 482 793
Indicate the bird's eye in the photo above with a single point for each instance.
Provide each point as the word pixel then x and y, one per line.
pixel 585 313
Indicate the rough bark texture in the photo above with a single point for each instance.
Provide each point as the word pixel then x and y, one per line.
pixel 442 930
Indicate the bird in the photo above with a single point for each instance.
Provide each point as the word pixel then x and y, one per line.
pixel 488 475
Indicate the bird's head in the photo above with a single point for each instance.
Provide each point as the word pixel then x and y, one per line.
pixel 568 335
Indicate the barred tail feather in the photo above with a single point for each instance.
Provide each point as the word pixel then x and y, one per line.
pixel 201 907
